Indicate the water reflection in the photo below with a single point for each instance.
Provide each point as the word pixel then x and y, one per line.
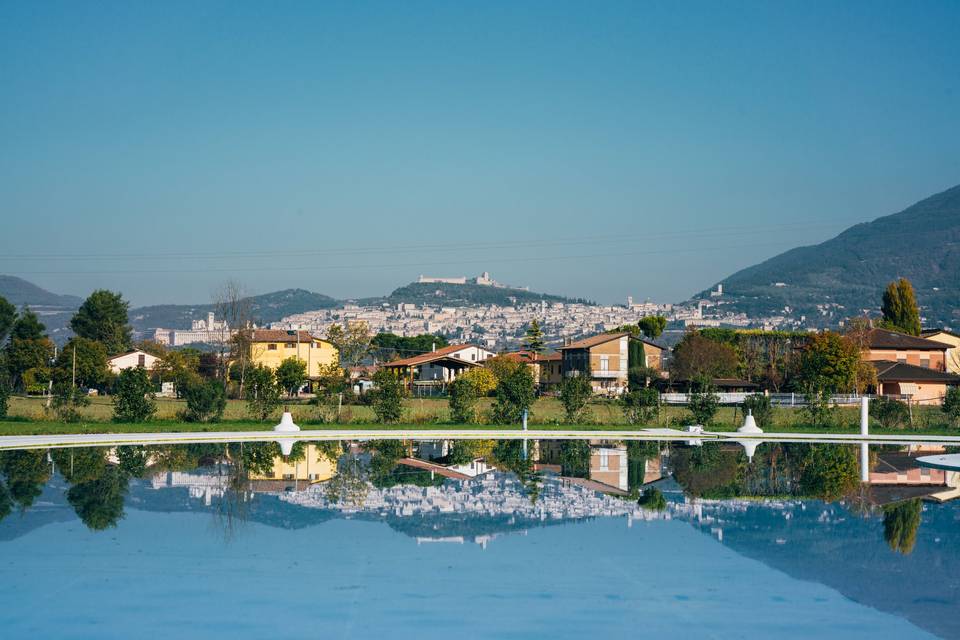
pixel 798 507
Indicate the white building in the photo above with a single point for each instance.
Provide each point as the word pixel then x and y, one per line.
pixel 131 359
pixel 209 331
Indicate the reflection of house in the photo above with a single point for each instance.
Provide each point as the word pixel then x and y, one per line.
pixel 312 468
pixel 605 358
pixel 952 340
pixel 439 366
pixel 270 347
pixel 896 476
pixel 131 360
pixel 608 465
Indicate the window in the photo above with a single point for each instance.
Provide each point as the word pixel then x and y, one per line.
pixel 604 460
pixel 271 347
pixel 604 363
pixel 290 345
pixel 141 360
pixel 925 362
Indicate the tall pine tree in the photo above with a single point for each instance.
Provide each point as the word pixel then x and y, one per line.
pixel 900 310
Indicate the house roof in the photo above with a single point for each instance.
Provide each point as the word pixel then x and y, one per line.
pixel 432 356
pixel 603 338
pixel 281 335
pixel 886 339
pixel 532 357
pixel 892 371
pixel 926 333
pixel 130 353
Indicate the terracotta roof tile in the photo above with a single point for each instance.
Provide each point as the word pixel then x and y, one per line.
pixel 886 339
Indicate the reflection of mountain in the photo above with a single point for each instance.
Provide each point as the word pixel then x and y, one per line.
pixel 828 544
pixel 50 506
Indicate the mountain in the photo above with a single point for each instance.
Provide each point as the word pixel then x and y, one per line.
pixel 447 294
pixel 268 307
pixel 921 243
pixel 19 292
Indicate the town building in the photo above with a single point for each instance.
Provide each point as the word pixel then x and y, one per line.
pixel 910 366
pixel 207 331
pixel 440 366
pixel 952 340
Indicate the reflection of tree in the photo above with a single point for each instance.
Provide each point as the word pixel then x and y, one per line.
pixel 25 472
pixel 508 455
pixel 81 464
pixel 830 471
pixel 349 486
pixel 708 471
pixel 653 499
pixel 900 524
pixel 99 502
pixel 6 501
pixel 638 452
pixel 575 458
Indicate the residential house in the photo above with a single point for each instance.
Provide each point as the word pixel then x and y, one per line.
pixel 604 358
pixel 897 476
pixel 440 366
pixel 131 360
pixel 547 368
pixel 270 347
pixel 952 340
pixel 909 365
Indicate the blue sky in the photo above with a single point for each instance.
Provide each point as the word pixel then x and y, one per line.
pixel 590 149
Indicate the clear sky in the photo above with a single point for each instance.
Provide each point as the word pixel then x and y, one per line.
pixel 596 149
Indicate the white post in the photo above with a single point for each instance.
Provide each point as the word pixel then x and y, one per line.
pixel 864 416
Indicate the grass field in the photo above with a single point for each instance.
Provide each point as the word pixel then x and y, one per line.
pixel 29 416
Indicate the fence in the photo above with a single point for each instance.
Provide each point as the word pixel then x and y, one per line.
pixel 776 399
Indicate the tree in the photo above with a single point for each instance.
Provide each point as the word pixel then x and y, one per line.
pixel 8 316
pixel 206 401
pixel 482 379
pixel 514 394
pixel 502 367
pixel 352 342
pixel 387 396
pixel 388 346
pixel 951 405
pixel 83 363
pixel 830 363
pixel 67 399
pixel 235 309
pixel 641 406
pixel 901 522
pixel 703 406
pixel 4 390
pixel 179 366
pixel 533 340
pixel 28 352
pixel 292 375
pixel 900 310
pixel 133 396
pixel 889 412
pixel 463 400
pixel 103 317
pixel 263 395
pixel 652 326
pixel 759 406
pixel 698 357
pixel 575 391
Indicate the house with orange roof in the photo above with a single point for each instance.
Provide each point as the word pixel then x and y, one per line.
pixel 605 359
pixel 440 366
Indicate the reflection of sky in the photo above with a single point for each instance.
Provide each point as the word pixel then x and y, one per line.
pixel 169 574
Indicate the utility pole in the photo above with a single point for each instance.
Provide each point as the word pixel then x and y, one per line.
pixel 73 378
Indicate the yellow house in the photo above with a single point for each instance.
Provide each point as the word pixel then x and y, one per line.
pixel 270 347
pixel 313 468
pixel 952 340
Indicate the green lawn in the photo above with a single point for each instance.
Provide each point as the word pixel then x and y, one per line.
pixel 29 416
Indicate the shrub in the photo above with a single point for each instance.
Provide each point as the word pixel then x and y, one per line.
pixel 133 396
pixel 483 380
pixel 818 409
pixel 641 406
pixel 463 400
pixel 206 401
pixel 703 406
pixel 4 391
pixel 951 405
pixel 66 401
pixel 263 392
pixel 291 375
pixel 515 394
pixel 575 391
pixel 759 405
pixel 889 412
pixel 387 397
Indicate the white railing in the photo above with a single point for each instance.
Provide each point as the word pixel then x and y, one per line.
pixel 776 399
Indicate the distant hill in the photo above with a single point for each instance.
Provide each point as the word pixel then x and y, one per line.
pixel 447 294
pixel 268 307
pixel 921 243
pixel 20 292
